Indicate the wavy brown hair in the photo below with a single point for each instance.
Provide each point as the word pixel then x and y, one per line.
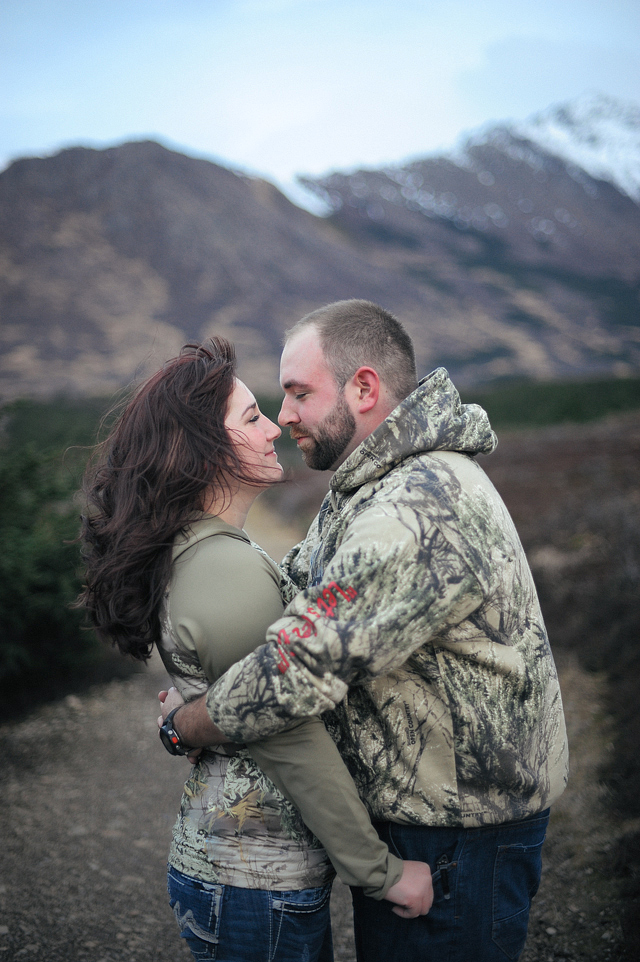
pixel 166 449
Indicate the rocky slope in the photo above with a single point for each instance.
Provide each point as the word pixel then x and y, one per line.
pixel 111 259
pixel 594 132
pixel 539 257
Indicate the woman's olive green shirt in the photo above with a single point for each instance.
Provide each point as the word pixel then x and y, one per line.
pixel 235 826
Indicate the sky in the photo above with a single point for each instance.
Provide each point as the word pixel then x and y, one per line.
pixel 286 87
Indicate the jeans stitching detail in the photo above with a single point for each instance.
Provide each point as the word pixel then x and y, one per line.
pixel 522 914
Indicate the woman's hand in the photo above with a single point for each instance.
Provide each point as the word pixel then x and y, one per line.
pixel 169 700
pixel 413 894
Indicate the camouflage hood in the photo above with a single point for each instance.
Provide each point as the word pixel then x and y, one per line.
pixel 432 418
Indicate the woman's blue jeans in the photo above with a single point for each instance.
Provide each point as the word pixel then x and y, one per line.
pixel 483 879
pixel 232 924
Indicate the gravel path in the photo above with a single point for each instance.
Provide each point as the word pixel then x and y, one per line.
pixel 89 797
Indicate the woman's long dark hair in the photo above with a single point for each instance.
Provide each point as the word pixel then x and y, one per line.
pixel 167 448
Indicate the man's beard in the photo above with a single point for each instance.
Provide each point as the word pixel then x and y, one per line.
pixel 331 437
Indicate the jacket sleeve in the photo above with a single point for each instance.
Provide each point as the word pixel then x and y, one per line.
pixel 215 620
pixel 393 585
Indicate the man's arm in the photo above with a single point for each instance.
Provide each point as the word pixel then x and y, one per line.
pixel 394 583
pixel 193 722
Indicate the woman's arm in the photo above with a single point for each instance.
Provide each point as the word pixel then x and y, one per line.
pixel 304 763
pixel 335 808
pixel 310 773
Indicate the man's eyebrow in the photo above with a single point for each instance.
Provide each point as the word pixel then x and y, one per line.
pixel 293 383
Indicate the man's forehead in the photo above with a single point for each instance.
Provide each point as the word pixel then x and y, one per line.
pixel 302 375
pixel 302 362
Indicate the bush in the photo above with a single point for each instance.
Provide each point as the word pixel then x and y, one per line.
pixel 537 404
pixel 38 578
pixel 45 650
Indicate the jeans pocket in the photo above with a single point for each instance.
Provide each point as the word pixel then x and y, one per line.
pixel 515 882
pixel 196 906
pixel 301 925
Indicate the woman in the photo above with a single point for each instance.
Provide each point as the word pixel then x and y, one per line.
pixel 169 564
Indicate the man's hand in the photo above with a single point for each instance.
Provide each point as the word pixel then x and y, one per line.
pixel 192 723
pixel 413 894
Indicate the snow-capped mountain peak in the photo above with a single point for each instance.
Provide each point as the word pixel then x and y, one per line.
pixel 595 132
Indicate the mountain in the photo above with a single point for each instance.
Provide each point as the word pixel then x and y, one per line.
pixel 540 260
pixel 504 259
pixel 111 259
pixel 595 133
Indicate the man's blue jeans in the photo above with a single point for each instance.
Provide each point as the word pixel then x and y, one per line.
pixel 232 924
pixel 484 881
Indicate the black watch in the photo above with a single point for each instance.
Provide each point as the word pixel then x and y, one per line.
pixel 170 737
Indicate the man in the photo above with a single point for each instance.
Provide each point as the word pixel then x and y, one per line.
pixel 417 631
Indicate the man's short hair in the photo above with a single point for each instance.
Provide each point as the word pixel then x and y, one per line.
pixel 356 333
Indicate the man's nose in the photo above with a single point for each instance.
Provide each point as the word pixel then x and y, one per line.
pixel 287 413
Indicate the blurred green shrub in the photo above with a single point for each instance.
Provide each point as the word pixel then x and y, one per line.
pixel 533 404
pixel 38 578
pixel 53 426
pixel 44 649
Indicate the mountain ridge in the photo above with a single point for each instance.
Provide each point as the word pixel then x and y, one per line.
pixel 504 261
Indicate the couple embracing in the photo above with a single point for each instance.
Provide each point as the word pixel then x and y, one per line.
pixel 384 704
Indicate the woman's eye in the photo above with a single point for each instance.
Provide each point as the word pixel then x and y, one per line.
pixel 256 417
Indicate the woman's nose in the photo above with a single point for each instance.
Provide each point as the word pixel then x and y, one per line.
pixel 273 432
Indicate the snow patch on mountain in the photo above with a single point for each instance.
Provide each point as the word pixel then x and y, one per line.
pixel 595 132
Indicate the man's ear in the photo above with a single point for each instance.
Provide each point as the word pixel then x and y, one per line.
pixel 365 385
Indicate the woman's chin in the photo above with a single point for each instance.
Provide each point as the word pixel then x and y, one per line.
pixel 272 474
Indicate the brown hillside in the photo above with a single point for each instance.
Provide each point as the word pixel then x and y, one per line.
pixel 509 264
pixel 111 259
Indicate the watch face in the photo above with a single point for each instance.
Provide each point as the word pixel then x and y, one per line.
pixel 171 741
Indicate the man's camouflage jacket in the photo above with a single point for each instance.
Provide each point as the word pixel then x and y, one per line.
pixel 417 632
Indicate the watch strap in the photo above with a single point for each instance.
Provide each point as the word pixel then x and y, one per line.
pixel 172 740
